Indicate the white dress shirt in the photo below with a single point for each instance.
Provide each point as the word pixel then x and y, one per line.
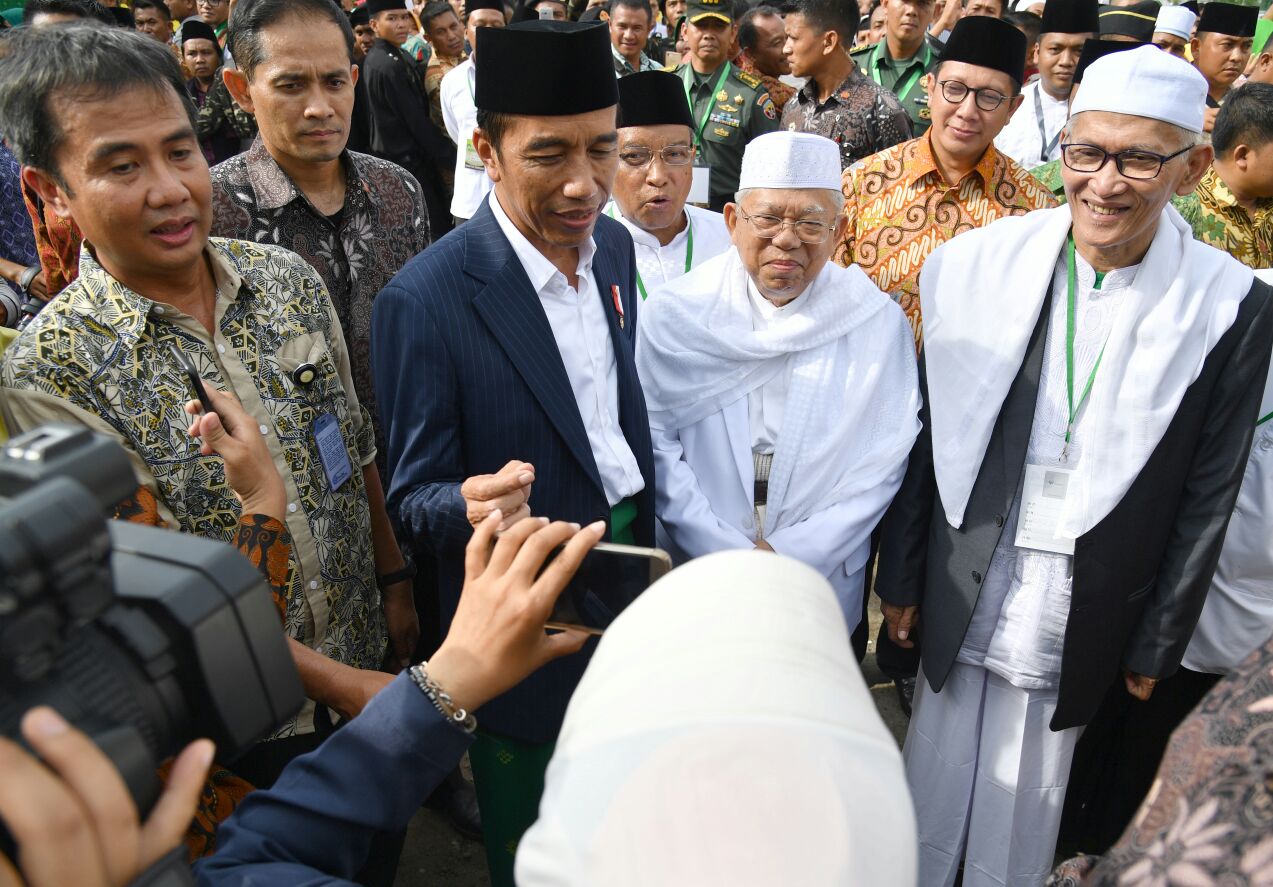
pixel 579 325
pixel 460 115
pixel 767 404
pixel 658 264
pixel 1020 139
pixel 1018 626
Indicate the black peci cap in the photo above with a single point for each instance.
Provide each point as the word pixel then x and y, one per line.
pixel 1070 17
pixel 545 68
pixel 1138 21
pixel 1098 49
pixel 1228 18
pixel 988 43
pixel 376 6
pixel 197 29
pixel 653 98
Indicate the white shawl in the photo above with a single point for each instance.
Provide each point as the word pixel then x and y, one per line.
pixel 981 295
pixel 851 411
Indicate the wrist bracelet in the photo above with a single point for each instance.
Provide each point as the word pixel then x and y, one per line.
pixel 29 273
pixel 408 571
pixel 441 699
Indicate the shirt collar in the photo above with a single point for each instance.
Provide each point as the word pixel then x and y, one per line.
pixel 809 92
pixel 645 238
pixel 131 310
pixel 538 269
pixel 765 313
pixel 924 163
pixel 275 189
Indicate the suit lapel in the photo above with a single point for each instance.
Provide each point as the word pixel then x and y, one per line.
pixel 1018 409
pixel 511 309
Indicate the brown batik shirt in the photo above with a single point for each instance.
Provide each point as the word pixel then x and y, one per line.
pixel 859 116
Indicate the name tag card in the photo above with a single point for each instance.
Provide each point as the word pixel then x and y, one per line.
pixel 471 160
pixel 1042 502
pixel 331 450
pixel 700 194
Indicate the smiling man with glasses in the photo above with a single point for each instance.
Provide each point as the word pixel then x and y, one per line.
pixel 1092 379
pixel 781 388
pixel 656 152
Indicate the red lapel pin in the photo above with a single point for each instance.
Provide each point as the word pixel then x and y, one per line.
pixel 618 303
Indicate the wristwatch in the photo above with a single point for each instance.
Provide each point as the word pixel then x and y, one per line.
pixel 408 571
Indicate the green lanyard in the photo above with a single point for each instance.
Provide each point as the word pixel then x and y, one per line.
pixel 687 77
pixel 689 250
pixel 1263 419
pixel 906 87
pixel 1071 280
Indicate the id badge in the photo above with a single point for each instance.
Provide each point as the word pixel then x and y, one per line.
pixel 331 450
pixel 700 193
pixel 1042 504
pixel 471 160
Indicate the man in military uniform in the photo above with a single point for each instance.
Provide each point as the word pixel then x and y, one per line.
pixel 899 61
pixel 730 107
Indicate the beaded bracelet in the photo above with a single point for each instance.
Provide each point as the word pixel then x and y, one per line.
pixel 441 699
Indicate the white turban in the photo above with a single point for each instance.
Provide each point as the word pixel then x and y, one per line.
pixel 1145 82
pixel 786 159
pixel 723 735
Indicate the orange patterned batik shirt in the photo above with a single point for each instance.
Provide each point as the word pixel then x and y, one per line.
pixel 900 208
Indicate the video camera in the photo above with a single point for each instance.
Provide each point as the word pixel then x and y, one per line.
pixel 143 638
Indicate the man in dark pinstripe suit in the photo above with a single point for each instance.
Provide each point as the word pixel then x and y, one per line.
pixel 503 361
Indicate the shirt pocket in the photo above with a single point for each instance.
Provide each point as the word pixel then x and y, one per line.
pixel 724 128
pixel 306 376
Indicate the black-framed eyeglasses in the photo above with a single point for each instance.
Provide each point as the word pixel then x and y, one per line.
pixel 808 230
pixel 955 91
pixel 637 156
pixel 1132 164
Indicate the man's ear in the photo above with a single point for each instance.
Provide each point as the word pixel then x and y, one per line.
pixel 49 191
pixel 486 153
pixel 237 83
pixel 1196 164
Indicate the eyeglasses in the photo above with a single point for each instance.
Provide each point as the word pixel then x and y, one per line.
pixel 673 155
pixel 808 230
pixel 955 91
pixel 1132 164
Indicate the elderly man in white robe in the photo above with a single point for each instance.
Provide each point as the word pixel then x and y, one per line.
pixel 781 388
pixel 656 154
pixel 1091 375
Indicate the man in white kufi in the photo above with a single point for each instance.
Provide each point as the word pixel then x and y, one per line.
pixel 781 388
pixel 1091 376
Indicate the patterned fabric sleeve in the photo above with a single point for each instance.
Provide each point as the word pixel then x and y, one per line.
pixel 219 108
pixel 846 251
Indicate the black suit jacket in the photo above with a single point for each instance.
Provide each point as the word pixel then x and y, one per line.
pixel 468 377
pixel 1140 575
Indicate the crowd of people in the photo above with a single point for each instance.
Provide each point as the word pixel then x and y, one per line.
pixel 962 306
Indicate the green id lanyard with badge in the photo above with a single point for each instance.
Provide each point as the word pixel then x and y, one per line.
pixel 471 160
pixel 700 189
pixel 689 251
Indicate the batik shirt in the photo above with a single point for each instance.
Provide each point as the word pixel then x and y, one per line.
pixel 860 117
pixel 1219 220
pixel 382 225
pixel 780 92
pixel 900 209
pixel 100 356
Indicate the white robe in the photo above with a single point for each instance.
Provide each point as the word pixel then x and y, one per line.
pixel 850 417
pixel 1020 139
pixel 658 264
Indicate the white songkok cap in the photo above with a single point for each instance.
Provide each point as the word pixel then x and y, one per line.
pixel 1176 20
pixel 1145 82
pixel 790 160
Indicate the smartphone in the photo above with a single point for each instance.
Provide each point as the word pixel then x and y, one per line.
pixel 610 577
pixel 196 384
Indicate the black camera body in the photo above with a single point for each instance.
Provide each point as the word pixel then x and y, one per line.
pixel 143 638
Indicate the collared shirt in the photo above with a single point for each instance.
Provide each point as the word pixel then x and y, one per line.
pixel 1219 220
pixel 382 225
pixel 767 404
pixel 439 67
pixel 100 355
pixel 579 325
pixel 1017 629
pixel 900 209
pixel 903 77
pixel 622 67
pixel 1032 136
pixel 658 265
pixel 860 117
pixel 780 92
pixel 459 113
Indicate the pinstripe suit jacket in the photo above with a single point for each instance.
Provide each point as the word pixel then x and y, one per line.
pixel 468 377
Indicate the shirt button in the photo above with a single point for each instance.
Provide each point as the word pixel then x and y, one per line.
pixel 313 583
pixel 265 429
pixel 976 577
pixel 291 506
pixel 159 309
pixel 998 520
pixel 220 348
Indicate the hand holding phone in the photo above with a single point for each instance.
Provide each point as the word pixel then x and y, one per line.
pixel 610 577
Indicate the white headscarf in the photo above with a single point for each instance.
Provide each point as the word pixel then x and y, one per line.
pixel 723 735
